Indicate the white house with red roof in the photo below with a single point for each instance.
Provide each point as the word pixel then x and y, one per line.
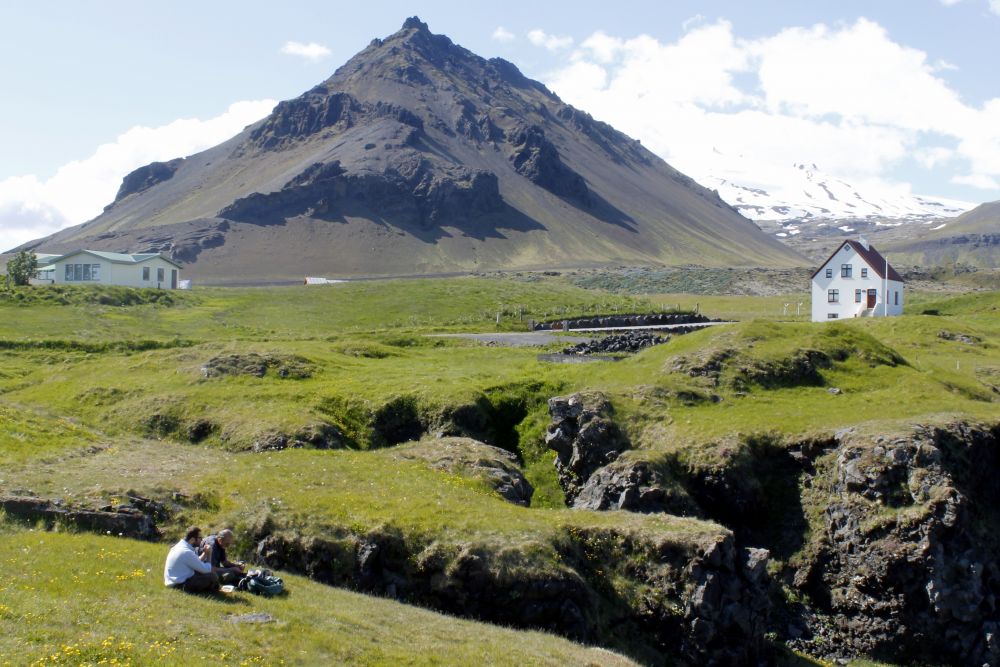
pixel 857 281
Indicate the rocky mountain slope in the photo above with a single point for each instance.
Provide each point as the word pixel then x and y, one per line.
pixel 417 156
pixel 972 238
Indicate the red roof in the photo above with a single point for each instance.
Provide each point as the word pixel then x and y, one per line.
pixel 871 256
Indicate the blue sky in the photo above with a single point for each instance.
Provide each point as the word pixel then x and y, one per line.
pixel 900 93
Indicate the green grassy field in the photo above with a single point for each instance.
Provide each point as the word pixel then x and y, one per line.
pixel 154 397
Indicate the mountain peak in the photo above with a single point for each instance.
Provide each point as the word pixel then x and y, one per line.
pixel 414 22
pixel 419 156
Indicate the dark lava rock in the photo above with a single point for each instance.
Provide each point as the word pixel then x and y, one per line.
pixel 146 177
pixel 908 569
pixel 636 486
pixel 411 188
pixel 631 342
pixel 584 437
pixel 125 520
pixel 537 159
pixel 318 110
pixel 727 612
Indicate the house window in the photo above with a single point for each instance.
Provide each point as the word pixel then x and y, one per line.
pixel 833 296
pixel 829 273
pixel 159 275
pixel 897 298
pixel 145 273
pixel 82 272
pixel 864 273
pixel 857 296
pixel 832 316
pixel 845 270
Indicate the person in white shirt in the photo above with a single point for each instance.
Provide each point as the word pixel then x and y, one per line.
pixel 186 570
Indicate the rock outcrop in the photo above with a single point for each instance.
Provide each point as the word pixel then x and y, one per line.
pixel 537 159
pixel 146 177
pixel 410 188
pixel 134 519
pixel 907 566
pixel 634 485
pixel 584 437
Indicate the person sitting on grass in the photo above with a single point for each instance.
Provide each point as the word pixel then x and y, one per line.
pixel 216 545
pixel 187 571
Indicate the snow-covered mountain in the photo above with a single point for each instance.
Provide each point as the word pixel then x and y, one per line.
pixel 806 194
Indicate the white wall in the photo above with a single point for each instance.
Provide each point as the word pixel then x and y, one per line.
pixel 847 306
pixel 130 275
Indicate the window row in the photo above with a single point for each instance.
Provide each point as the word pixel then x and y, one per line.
pixel 846 271
pixel 160 274
pixel 833 296
pixel 82 272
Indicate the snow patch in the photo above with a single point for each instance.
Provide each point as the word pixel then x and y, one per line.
pixel 803 186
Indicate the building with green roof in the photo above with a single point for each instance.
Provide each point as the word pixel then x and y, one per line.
pixel 97 267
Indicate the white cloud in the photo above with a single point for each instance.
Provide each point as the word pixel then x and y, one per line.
pixel 950 3
pixel 847 97
pixel 32 207
pixel 932 156
pixel 550 42
pixel 503 35
pixel 311 51
pixel 692 21
pixel 603 48
pixel 995 7
pixel 977 181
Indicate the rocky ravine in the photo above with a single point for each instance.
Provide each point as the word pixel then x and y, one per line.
pixel 889 542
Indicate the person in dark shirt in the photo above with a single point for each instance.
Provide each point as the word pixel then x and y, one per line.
pixel 216 545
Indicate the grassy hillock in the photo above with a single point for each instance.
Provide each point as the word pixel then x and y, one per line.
pixel 279 412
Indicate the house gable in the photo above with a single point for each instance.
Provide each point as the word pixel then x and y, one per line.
pixel 870 256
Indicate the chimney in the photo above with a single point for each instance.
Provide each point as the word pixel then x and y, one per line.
pixel 863 242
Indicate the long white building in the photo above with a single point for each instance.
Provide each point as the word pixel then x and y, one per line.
pixel 857 281
pixel 89 267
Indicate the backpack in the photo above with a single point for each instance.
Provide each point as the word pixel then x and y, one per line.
pixel 261 582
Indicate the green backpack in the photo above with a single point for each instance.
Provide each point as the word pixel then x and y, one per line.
pixel 262 582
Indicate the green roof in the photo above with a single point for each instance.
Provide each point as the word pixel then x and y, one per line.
pixel 120 257
pixel 117 257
